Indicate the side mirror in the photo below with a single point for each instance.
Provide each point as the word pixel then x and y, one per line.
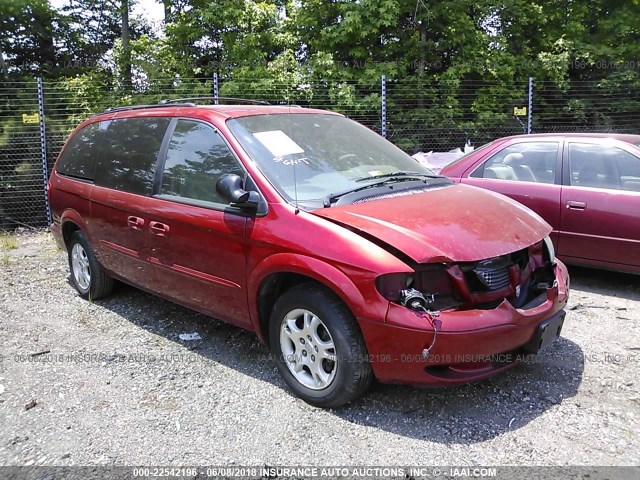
pixel 229 187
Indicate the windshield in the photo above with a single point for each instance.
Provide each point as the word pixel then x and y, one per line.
pixel 313 156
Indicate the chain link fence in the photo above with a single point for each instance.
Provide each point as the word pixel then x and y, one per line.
pixel 606 106
pixel 438 115
pixel 22 192
pixel 417 115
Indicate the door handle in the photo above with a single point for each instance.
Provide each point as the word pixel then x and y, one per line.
pixel 159 229
pixel 576 205
pixel 135 223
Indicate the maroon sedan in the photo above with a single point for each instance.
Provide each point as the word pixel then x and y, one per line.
pixel 587 186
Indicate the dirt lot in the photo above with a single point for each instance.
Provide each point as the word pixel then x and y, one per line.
pixel 120 387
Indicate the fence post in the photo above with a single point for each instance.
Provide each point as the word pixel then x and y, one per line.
pixel 43 148
pixel 216 91
pixel 530 109
pixel 383 106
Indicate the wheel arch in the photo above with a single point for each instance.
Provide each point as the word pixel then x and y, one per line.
pixel 71 221
pixel 68 228
pixel 278 273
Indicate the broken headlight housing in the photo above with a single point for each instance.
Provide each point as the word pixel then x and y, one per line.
pixel 433 282
pixel 550 251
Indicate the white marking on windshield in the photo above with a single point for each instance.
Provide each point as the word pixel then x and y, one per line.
pixel 291 161
pixel 278 143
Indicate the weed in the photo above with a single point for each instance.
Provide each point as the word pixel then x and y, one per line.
pixel 8 242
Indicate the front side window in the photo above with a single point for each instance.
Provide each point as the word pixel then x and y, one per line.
pixel 196 158
pixel 308 156
pixel 522 162
pixel 603 166
pixel 79 157
pixel 130 153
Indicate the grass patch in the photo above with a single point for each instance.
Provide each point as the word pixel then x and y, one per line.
pixel 8 242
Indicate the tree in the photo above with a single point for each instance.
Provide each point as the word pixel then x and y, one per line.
pixel 226 34
pixel 26 37
pixel 125 57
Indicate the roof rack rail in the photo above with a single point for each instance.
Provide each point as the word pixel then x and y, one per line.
pixel 228 99
pixel 138 107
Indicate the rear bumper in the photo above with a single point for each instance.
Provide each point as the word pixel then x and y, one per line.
pixel 469 345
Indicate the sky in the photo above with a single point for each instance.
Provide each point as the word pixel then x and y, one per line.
pixel 149 9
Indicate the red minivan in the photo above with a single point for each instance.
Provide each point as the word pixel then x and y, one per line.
pixel 340 251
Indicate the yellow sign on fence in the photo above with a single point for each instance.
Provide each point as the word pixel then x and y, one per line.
pixel 34 118
pixel 520 111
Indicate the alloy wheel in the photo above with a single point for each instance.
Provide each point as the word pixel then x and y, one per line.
pixel 80 264
pixel 308 349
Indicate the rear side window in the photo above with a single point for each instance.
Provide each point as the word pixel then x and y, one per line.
pixel 130 152
pixel 196 158
pixel 79 158
pixel 603 166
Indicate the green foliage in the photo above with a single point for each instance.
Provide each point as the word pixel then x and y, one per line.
pixel 453 66
pixel 36 39
pixel 26 36
pixel 220 36
pixel 87 93
pixel 493 41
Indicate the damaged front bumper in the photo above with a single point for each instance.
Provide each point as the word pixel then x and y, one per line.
pixel 470 344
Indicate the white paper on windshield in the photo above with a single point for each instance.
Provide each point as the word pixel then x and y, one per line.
pixel 278 143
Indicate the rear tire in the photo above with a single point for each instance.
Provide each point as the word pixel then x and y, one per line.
pixel 318 346
pixel 87 275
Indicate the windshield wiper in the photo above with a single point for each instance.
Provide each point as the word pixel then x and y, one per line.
pixel 398 174
pixel 403 177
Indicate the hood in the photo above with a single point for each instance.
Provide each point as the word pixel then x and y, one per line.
pixel 457 223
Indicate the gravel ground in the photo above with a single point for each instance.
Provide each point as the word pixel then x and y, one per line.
pixel 120 387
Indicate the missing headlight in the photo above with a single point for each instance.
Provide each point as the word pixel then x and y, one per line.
pixel 428 287
pixel 415 300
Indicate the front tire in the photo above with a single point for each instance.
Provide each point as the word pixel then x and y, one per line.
pixel 87 275
pixel 318 346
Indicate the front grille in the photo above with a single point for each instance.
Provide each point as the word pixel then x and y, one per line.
pixel 493 278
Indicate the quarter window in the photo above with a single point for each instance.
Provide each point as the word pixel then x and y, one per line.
pixel 196 158
pixel 522 162
pixel 603 166
pixel 130 154
pixel 79 156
